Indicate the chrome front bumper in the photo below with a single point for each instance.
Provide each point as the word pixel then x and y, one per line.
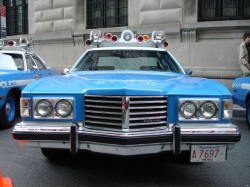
pixel 176 138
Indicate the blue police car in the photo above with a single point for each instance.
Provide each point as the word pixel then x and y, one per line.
pixel 241 95
pixel 18 67
pixel 128 96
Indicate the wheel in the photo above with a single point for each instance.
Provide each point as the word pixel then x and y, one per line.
pixel 248 114
pixel 8 112
pixel 55 153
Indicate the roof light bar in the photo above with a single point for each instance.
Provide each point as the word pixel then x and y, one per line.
pixel 128 38
pixel 23 44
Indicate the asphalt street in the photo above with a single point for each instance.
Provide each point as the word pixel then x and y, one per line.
pixel 27 167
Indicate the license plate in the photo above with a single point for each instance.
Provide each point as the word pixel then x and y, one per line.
pixel 208 153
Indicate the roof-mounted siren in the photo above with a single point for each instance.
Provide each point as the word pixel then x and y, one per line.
pixel 25 42
pixel 11 43
pixel 158 37
pixel 127 36
pixel 96 37
pixel 1 44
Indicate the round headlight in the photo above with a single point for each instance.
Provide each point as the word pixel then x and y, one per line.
pixel 188 109
pixel 43 108
pixel 63 108
pixel 208 109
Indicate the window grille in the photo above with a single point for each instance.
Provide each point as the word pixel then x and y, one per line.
pixel 213 10
pixel 16 17
pixel 107 13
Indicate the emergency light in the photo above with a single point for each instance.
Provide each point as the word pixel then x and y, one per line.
pixel 11 43
pixel 128 38
pixel 24 44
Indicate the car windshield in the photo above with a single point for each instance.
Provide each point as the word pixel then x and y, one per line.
pixel 142 60
pixel 11 61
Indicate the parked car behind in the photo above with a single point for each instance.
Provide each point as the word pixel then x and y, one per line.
pixel 19 66
pixel 128 96
pixel 241 95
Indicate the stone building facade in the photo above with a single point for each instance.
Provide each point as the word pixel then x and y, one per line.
pixel 210 48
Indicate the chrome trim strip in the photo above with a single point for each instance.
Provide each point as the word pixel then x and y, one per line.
pixel 193 129
pixel 123 150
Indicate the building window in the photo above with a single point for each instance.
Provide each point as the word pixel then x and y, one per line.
pixel 213 10
pixel 107 13
pixel 16 17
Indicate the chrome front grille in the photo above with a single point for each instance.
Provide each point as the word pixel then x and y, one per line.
pixel 125 113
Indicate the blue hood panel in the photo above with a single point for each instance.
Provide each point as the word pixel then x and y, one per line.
pixel 126 83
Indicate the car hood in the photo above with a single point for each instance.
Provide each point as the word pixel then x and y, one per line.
pixel 126 83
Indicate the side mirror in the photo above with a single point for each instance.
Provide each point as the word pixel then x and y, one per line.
pixel 65 71
pixel 188 71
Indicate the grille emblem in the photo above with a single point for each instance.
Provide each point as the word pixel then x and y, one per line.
pixel 125 105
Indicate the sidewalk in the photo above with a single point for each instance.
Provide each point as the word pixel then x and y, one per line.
pixel 238 111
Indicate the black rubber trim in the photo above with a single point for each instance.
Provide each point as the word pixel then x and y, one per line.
pixel 74 138
pixel 211 138
pixel 126 140
pixel 177 139
pixel 40 136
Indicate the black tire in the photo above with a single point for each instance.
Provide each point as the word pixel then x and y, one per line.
pixel 55 154
pixel 8 113
pixel 248 114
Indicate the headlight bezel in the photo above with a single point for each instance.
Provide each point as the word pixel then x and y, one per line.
pixel 199 102
pixel 182 109
pixel 53 102
pixel 202 110
pixel 67 113
pixel 49 106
